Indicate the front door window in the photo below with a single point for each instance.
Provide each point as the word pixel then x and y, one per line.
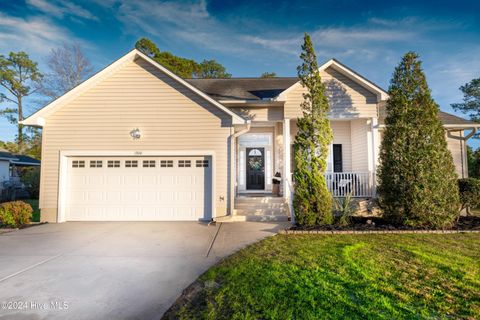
pixel 255 168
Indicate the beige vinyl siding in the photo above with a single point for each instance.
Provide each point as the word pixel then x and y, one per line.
pixel 359 131
pixel 341 135
pixel 457 148
pixel 347 98
pixel 260 113
pixel 169 116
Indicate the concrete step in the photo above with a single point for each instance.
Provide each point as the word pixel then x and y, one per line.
pixel 259 200
pixel 261 211
pixel 254 206
pixel 253 218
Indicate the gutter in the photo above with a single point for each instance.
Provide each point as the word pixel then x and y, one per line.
pixel 233 168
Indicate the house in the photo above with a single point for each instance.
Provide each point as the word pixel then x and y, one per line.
pixel 9 164
pixel 135 142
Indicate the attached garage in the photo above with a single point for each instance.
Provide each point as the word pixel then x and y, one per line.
pixel 138 188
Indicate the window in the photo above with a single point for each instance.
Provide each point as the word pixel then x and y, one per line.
pixel 131 163
pixel 202 163
pixel 337 158
pixel 184 163
pixel 166 163
pixel 113 163
pixel 149 163
pixel 96 163
pixel 78 164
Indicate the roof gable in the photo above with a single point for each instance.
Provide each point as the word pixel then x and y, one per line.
pixel 336 65
pixel 38 118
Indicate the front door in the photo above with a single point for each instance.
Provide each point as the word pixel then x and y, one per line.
pixel 255 168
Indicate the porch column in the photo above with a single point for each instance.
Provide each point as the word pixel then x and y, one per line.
pixel 375 152
pixel 286 158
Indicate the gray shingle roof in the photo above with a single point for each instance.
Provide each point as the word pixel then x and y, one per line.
pixel 268 88
pixel 243 88
pixel 446 118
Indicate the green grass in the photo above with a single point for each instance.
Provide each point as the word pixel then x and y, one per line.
pixel 36 210
pixel 344 277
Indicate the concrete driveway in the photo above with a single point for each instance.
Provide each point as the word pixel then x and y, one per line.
pixel 110 270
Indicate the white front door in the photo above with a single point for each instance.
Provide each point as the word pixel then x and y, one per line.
pixel 139 189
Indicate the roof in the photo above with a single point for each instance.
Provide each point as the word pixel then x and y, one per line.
pixel 18 158
pixel 25 160
pixel 381 94
pixel 38 118
pixel 446 118
pixel 5 155
pixel 244 88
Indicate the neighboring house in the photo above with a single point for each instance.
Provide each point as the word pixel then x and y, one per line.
pixel 136 142
pixel 9 163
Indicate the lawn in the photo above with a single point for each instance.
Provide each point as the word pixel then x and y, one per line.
pixel 343 276
pixel 36 210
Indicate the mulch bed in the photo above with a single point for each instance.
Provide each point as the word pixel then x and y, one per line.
pixel 379 224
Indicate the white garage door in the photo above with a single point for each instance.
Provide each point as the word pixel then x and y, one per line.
pixel 139 188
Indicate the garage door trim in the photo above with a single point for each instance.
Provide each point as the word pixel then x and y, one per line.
pixel 65 154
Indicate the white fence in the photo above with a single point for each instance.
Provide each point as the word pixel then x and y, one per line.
pixel 358 184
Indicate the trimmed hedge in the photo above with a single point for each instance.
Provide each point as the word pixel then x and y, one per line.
pixel 15 214
pixel 469 193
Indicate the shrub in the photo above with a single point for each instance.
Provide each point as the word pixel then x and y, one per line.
pixel 6 218
pixel 15 213
pixel 417 179
pixel 344 209
pixel 312 202
pixel 31 179
pixel 469 193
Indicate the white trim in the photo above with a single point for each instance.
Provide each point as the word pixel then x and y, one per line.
pixel 381 94
pixel 242 161
pixel 38 118
pixel 65 154
pixel 449 126
pixel 286 158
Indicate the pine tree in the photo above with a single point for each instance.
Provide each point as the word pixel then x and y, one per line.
pixel 417 179
pixel 312 201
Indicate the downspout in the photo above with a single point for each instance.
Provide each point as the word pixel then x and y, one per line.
pixel 233 165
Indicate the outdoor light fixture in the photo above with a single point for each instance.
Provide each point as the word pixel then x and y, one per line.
pixel 135 134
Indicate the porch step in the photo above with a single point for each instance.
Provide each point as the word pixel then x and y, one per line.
pixel 260 209
pixel 253 218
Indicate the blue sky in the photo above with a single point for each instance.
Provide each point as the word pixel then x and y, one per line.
pixel 251 37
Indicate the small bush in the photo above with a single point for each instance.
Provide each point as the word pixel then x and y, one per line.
pixel 15 213
pixel 344 210
pixel 6 219
pixel 469 193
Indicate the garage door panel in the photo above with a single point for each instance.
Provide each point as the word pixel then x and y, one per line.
pixel 113 191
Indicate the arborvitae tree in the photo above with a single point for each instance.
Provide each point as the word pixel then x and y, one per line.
pixel 312 201
pixel 417 179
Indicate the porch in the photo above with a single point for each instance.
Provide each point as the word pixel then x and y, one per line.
pixel 263 149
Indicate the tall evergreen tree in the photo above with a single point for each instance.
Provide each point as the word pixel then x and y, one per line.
pixel 312 201
pixel 417 179
pixel 18 76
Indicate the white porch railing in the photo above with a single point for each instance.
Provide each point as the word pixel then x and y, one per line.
pixel 358 184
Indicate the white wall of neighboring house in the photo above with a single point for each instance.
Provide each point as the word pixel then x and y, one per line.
pixel 4 170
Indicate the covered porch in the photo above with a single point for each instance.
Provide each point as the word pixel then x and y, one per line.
pixel 263 149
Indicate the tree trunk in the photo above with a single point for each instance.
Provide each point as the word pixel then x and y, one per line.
pixel 20 126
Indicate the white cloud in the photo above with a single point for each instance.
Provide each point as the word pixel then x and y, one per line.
pixel 60 9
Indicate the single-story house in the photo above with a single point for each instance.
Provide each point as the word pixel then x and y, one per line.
pixel 9 163
pixel 135 142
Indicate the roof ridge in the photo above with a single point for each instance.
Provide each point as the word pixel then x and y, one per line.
pixel 242 78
